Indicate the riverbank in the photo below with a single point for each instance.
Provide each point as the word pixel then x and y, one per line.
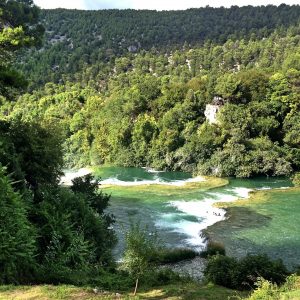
pixel 180 291
pixel 166 188
pixel 193 268
pixel 203 182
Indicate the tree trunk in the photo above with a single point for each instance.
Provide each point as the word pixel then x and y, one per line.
pixel 136 286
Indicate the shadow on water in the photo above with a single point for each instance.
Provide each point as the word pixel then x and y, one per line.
pixel 237 219
pixel 244 219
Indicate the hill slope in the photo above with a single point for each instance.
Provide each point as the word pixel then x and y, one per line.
pixel 77 39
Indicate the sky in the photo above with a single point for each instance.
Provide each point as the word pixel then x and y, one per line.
pixel 154 4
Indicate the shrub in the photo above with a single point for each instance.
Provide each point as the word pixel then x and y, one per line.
pixel 266 290
pixel 67 261
pixel 213 248
pixel 243 274
pixel 175 255
pixel 112 280
pixel 17 236
pixel 252 267
pixel 141 250
pixel 75 237
pixel 296 179
pixel 220 270
pixel 154 278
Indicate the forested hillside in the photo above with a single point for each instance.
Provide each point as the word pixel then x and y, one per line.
pixel 76 39
pixel 131 88
pixel 147 108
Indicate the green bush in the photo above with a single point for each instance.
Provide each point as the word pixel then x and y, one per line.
pixel 252 267
pixel 220 270
pixel 75 238
pixel 266 290
pixel 17 236
pixel 112 280
pixel 243 274
pixel 213 248
pixel 159 277
pixel 296 179
pixel 167 256
pixel 141 251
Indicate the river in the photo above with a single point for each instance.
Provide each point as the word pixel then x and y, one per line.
pixel 179 207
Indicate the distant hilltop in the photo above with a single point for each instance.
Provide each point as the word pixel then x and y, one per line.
pixel 85 37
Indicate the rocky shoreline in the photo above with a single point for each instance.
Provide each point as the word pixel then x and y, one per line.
pixel 193 268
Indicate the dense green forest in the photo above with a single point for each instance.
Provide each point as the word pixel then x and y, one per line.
pixel 47 233
pixel 147 108
pixel 96 38
pixel 131 88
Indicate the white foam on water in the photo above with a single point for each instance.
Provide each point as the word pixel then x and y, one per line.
pixel 190 229
pixel 264 188
pixel 150 170
pixel 220 197
pixel 68 176
pixel 204 211
pixel 118 182
pixel 242 192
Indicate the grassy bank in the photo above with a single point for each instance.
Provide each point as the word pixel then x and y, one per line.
pixel 184 291
pixel 259 197
pixel 190 291
pixel 175 292
pixel 163 189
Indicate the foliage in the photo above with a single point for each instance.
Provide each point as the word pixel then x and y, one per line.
pixel 144 252
pixel 213 248
pixel 147 109
pixel 167 256
pixel 75 239
pixel 89 187
pixel 141 248
pixel 152 278
pixel 243 273
pixel 261 265
pixel 19 28
pixel 266 290
pixel 32 153
pixel 48 233
pixel 221 270
pixel 296 179
pixel 97 40
pixel 17 236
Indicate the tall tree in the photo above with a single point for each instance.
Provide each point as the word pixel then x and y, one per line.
pixel 19 28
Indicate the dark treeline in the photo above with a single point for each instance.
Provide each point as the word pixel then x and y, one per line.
pixel 76 39
pixel 48 233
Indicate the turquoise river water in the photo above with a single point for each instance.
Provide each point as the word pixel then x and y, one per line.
pixel 179 207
